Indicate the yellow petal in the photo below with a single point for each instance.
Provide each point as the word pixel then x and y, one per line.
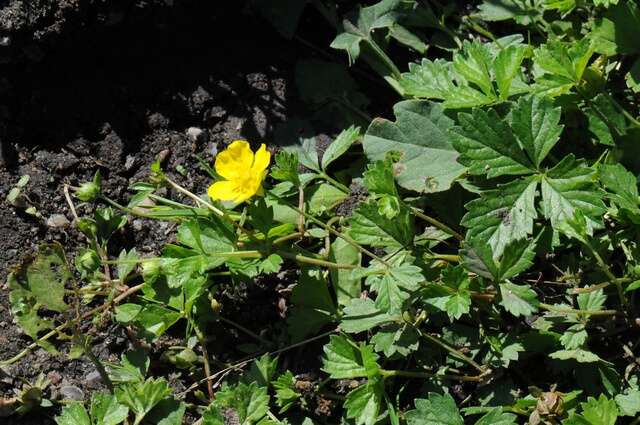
pixel 235 161
pixel 223 191
pixel 261 160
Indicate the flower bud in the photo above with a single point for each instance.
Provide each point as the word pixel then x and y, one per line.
pixel 89 191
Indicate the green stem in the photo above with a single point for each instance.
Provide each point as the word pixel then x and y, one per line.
pixel 454 352
pixel 445 257
pixel 555 309
pixel 437 224
pixel 336 183
pixel 245 330
pixel 334 232
pixel 317 261
pixel 602 285
pixel 426 375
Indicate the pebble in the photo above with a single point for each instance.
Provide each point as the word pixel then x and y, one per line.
pixel 93 377
pixel 58 221
pixel 157 121
pixel 71 392
pixel 54 377
pixel 163 155
pixel 5 41
pixel 130 162
pixel 197 135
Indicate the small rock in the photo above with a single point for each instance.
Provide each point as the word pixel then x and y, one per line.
pixel 71 392
pixel 163 155
pixel 130 162
pixel 5 41
pixel 57 221
pixel 93 377
pixel 137 225
pixel 54 377
pixel 197 135
pixel 157 121
pixel 215 114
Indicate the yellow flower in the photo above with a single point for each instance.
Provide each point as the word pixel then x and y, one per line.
pixel 243 170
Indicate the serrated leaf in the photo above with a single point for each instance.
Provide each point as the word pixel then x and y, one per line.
pixel 340 145
pixel 361 315
pixel 600 411
pixel 616 31
pixel 574 337
pixel 535 123
pixel 141 398
pixel 561 65
pixel 487 145
pixel 427 158
pixel 106 410
pixel 506 68
pixel 344 284
pixel 524 12
pixel 478 257
pixel 127 263
pixel 570 187
pixel 629 402
pixel 286 392
pixel 363 404
pixel 592 301
pixel 435 410
pixel 324 197
pixel 343 359
pixel 370 227
pixel 519 300
pixel 622 187
pixel 580 355
pixel 249 404
pixel 400 339
pixel 503 215
pixel 73 414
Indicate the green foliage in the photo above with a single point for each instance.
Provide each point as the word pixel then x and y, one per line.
pixel 476 246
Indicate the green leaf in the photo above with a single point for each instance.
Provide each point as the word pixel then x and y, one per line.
pixel 249 404
pixel 312 307
pixel 503 215
pixel 127 263
pixel 39 284
pixel 468 81
pixel 167 412
pixel 524 12
pixel 629 402
pixel 340 145
pixel 605 119
pixel 344 284
pixel 324 197
pixel 561 65
pixel 394 287
pixel 497 417
pixel 361 315
pixel 535 123
pixel 286 392
pixel 519 300
pixel 633 77
pixel 363 404
pixel 154 320
pixel 207 235
pixel 574 337
pixel 517 257
pixel 370 227
pixel 106 410
pixel 286 167
pixel 592 301
pixel 488 145
pixel 392 339
pixel 569 187
pixel 578 354
pixel 616 32
pixel 435 410
pixel 143 397
pixel 379 178
pixel 427 158
pixel 73 414
pixel 600 411
pixel 262 370
pixel 622 186
pixel 343 359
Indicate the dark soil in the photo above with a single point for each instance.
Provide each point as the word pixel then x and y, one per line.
pixel 87 85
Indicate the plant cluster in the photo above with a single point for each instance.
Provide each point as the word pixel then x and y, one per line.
pixel 473 260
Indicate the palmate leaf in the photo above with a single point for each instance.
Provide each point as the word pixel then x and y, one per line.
pixel 494 146
pixel 363 403
pixel 503 215
pixel 478 257
pixel 343 359
pixel 427 158
pixel 570 187
pixel 560 65
pixel 370 227
pixel 469 80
